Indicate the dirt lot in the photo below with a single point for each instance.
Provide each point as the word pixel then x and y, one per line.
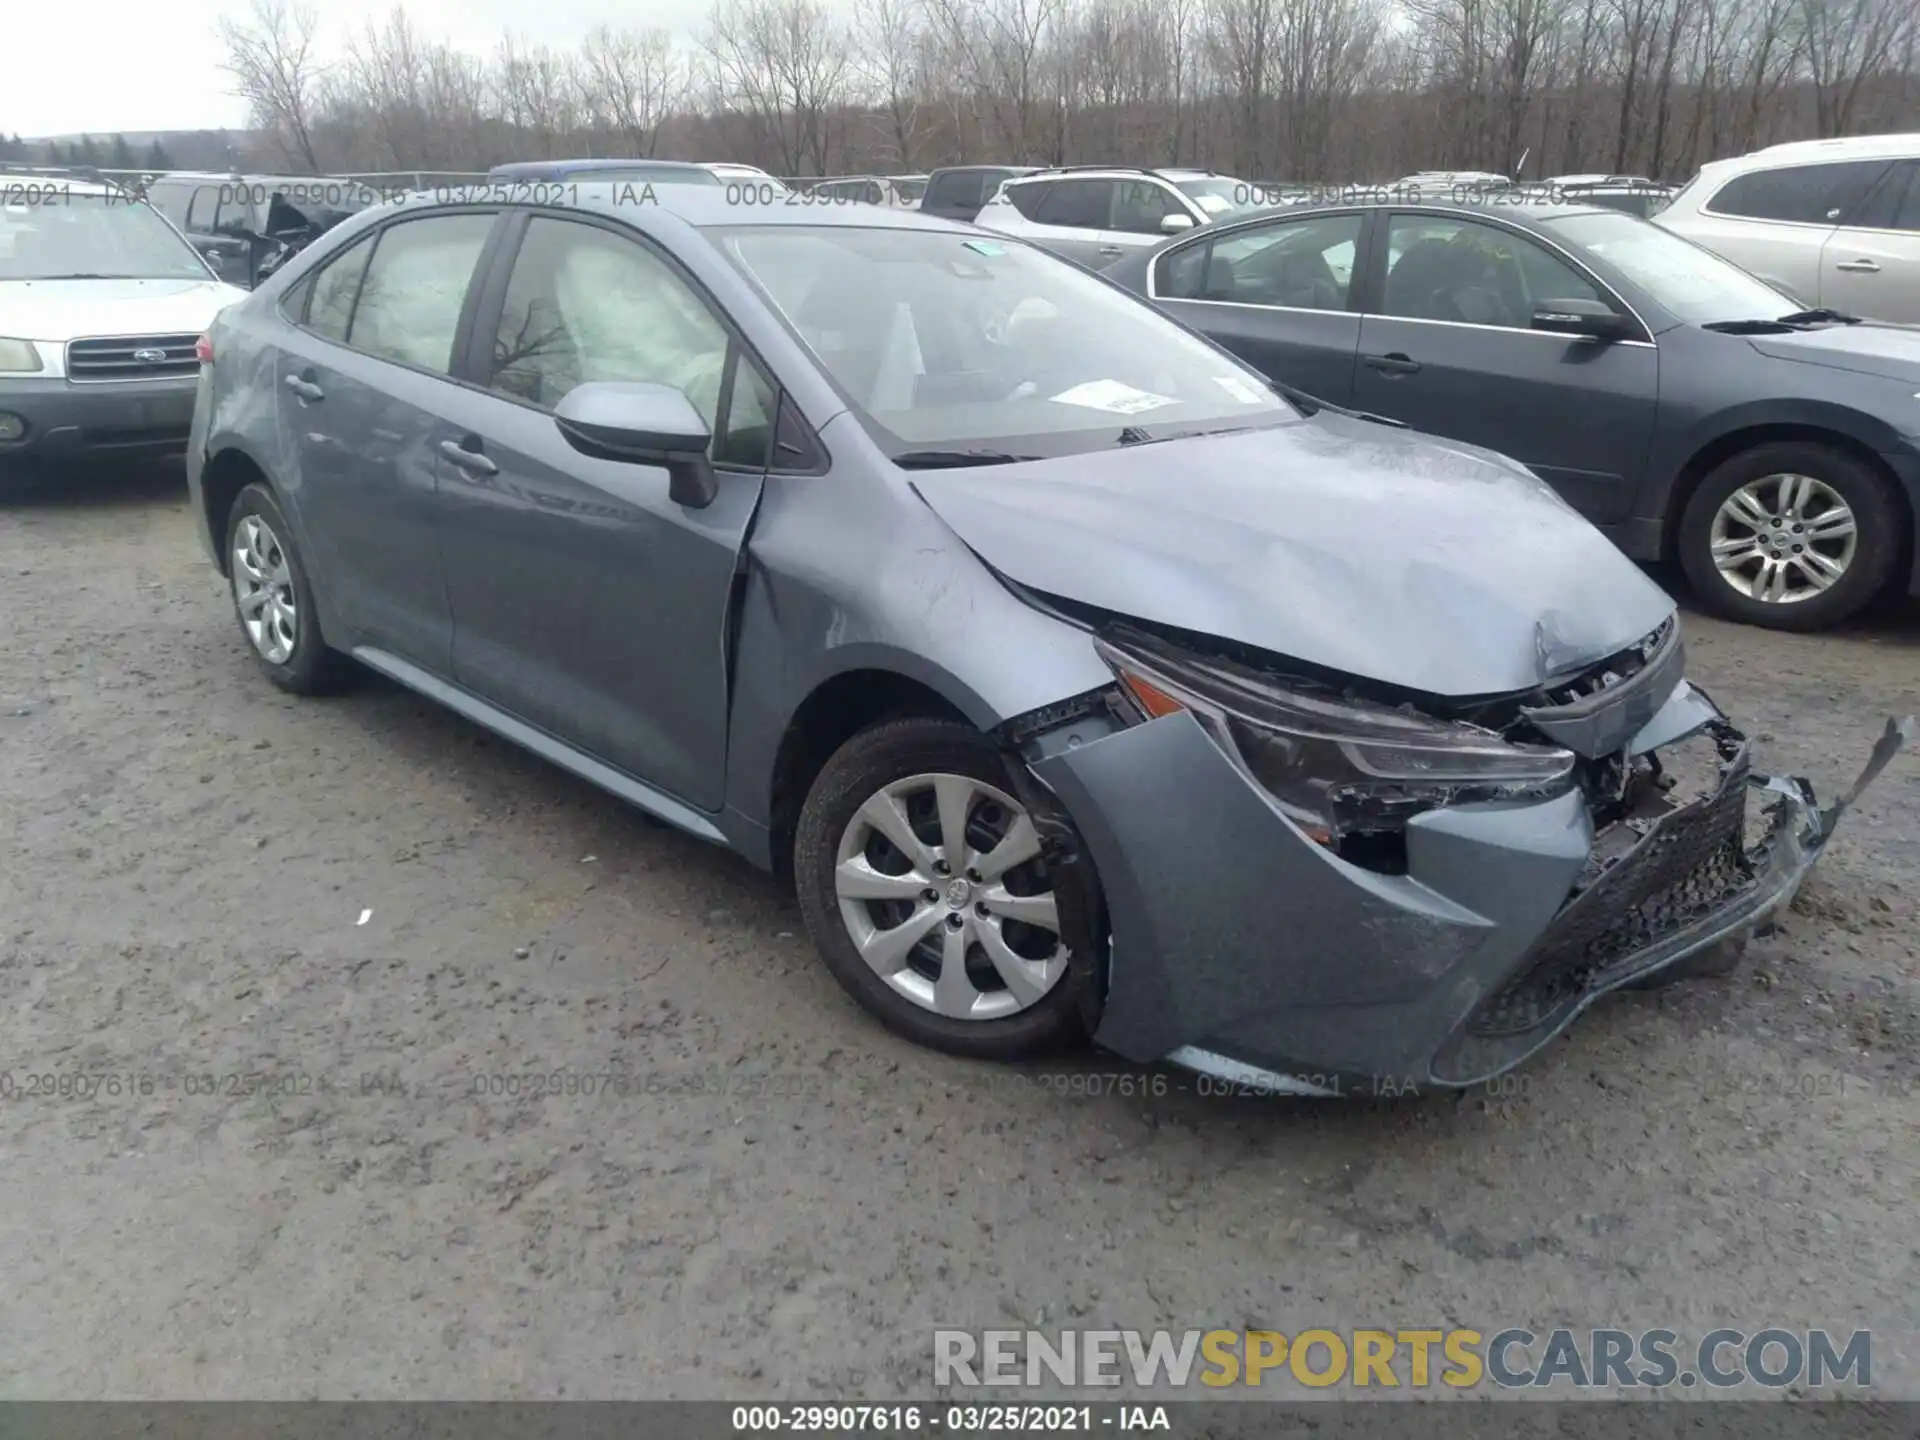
pixel 188 854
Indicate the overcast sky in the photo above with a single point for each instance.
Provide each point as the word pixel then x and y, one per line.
pixel 157 66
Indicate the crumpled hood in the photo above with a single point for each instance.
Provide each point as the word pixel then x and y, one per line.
pixel 1892 351
pixel 57 311
pixel 1344 544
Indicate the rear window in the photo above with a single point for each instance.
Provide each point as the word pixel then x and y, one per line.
pixel 1805 194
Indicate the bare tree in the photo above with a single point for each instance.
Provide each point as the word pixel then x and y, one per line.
pixel 785 64
pixel 271 59
pixel 631 82
pixel 894 51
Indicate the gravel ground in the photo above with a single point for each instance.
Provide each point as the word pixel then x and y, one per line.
pixel 188 855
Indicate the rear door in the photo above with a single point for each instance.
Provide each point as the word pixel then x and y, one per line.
pixel 364 384
pixel 1280 294
pixel 1870 266
pixel 585 600
pixel 1447 346
pixel 1072 220
pixel 1776 222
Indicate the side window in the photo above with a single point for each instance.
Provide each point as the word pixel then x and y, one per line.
pixel 1304 264
pixel 200 210
pixel 1140 206
pixel 1810 194
pixel 584 304
pixel 1026 198
pixel 1081 204
pixel 236 216
pixel 1181 274
pixel 1894 203
pixel 415 287
pixel 334 287
pixel 1472 273
pixel 170 201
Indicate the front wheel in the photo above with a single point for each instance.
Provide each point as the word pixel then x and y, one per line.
pixel 1791 535
pixel 924 886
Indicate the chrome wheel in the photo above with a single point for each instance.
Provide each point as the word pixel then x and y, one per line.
pixel 263 590
pixel 1783 538
pixel 942 888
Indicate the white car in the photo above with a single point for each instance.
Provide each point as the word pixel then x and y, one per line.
pixel 102 305
pixel 1834 223
pixel 751 179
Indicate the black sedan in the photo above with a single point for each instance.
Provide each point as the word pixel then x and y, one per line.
pixel 1688 409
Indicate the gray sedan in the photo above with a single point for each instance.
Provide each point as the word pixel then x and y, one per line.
pixel 1689 409
pixel 1077 681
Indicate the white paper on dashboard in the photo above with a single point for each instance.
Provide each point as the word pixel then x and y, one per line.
pixel 1112 397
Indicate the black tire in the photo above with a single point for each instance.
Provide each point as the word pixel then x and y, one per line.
pixel 1712 963
pixel 871 760
pixel 312 667
pixel 1878 516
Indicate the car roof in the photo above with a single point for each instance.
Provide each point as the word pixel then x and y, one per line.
pixel 587 167
pixel 1009 169
pixel 69 184
pixel 1844 147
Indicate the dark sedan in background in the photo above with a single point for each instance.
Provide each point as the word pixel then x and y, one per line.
pixel 1687 408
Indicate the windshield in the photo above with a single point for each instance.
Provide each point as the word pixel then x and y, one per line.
pixel 61 235
pixel 945 341
pixel 1223 195
pixel 1692 283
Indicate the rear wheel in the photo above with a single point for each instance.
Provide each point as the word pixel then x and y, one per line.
pixel 923 886
pixel 1791 535
pixel 273 599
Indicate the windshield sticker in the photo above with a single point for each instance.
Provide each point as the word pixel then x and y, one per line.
pixel 1213 204
pixel 984 247
pixel 1112 397
pixel 1241 390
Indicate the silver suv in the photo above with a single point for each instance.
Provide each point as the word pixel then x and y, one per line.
pixel 1095 214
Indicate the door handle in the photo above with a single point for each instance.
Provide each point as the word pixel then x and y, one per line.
pixel 471 461
pixel 305 389
pixel 1859 267
pixel 1394 364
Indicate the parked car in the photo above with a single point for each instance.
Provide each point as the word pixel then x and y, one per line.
pixel 1076 679
pixel 1634 194
pixel 1094 214
pixel 956 192
pixel 750 181
pixel 1450 184
pixel 247 224
pixel 102 304
pixel 632 172
pixel 1684 406
pixel 1835 223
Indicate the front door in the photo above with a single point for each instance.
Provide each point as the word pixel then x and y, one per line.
pixel 585 601
pixel 1448 347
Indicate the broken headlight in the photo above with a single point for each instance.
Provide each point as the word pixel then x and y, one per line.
pixel 1335 765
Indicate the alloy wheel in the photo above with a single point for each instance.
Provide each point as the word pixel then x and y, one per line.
pixel 263 590
pixel 1783 538
pixel 942 888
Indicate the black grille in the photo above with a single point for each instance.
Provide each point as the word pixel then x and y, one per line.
pixel 139 357
pixel 1692 862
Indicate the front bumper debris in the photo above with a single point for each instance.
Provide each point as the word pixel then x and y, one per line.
pixel 1241 948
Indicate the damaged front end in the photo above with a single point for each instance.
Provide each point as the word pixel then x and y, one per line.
pixel 1325 886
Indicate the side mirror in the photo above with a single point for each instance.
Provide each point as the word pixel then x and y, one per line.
pixel 642 424
pixel 1580 317
pixel 1174 224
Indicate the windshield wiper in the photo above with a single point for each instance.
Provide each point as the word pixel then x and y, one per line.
pixel 81 275
pixel 1313 404
pixel 1795 321
pixel 955 459
pixel 1820 315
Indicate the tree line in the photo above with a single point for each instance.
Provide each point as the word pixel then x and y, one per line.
pixel 110 153
pixel 1275 90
